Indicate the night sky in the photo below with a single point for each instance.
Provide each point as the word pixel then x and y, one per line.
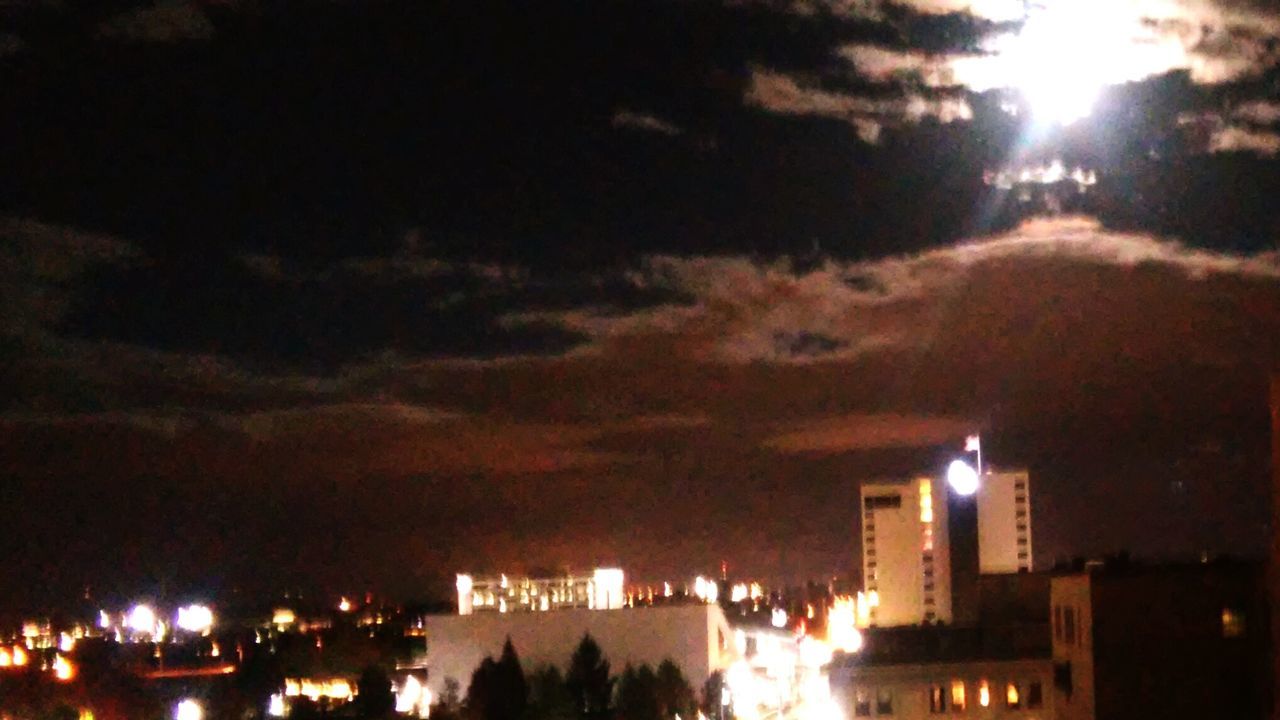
pixel 330 295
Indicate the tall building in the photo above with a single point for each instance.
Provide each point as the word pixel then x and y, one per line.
pixel 925 545
pixel 906 552
pixel 1004 522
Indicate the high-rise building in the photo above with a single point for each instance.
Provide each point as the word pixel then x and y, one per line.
pixel 1004 522
pixel 906 552
pixel 924 545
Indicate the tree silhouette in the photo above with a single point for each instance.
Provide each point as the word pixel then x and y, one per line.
pixel 588 680
pixel 675 696
pixel 498 689
pixel 549 697
pixel 374 698
pixel 638 694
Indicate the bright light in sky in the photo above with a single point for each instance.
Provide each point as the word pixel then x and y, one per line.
pixel 962 477
pixel 1066 52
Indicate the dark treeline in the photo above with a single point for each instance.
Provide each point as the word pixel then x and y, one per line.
pixel 586 690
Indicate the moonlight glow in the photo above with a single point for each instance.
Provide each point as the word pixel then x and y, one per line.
pixel 962 477
pixel 1066 53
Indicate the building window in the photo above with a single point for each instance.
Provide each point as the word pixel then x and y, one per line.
pixel 1057 622
pixel 884 701
pixel 1020 513
pixel 984 694
pixel 1061 678
pixel 883 501
pixel 862 704
pixel 1035 694
pixel 1069 625
pixel 1022 540
pixel 1232 623
pixel 957 695
pixel 937 699
pixel 1011 697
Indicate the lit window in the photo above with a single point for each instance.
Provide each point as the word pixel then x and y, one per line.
pixel 884 701
pixel 957 695
pixel 984 694
pixel 862 704
pixel 1035 695
pixel 1011 697
pixel 1232 623
pixel 937 699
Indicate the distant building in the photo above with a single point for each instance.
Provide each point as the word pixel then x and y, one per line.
pixel 1161 642
pixel 601 590
pixel 924 546
pixel 696 637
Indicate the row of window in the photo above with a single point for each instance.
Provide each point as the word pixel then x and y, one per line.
pixel 953 697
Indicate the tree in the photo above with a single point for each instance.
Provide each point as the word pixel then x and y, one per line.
pixel 549 697
pixel 638 694
pixel 675 696
pixel 498 689
pixel 712 690
pixel 373 697
pixel 588 680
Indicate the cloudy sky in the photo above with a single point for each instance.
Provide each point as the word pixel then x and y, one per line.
pixel 343 295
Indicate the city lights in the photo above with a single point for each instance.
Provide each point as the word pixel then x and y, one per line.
pixel 19 656
pixel 344 605
pixel 779 618
pixel 283 617
pixel 63 670
pixel 188 710
pixel 141 619
pixel 842 625
pixel 962 477
pixel 413 698
pixel 195 619
pixel 275 706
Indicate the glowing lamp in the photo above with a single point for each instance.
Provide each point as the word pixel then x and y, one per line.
pixel 188 710
pixel 195 618
pixel 141 619
pixel 962 477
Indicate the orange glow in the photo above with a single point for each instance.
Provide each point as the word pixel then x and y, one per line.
pixel 19 656
pixel 957 695
pixel 5 658
pixel 1011 695
pixel 63 670
pixel 984 694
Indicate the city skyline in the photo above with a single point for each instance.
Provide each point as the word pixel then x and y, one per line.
pixel 351 296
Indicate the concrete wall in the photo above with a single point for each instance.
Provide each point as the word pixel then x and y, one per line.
pixel 910 686
pixel 696 637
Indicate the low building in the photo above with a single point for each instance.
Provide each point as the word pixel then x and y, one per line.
pixel 696 637
pixel 924 672
pixel 1188 641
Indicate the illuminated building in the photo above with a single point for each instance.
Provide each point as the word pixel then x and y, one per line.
pixel 697 637
pixel 1004 522
pixel 924 545
pixel 906 552
pixel 601 590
